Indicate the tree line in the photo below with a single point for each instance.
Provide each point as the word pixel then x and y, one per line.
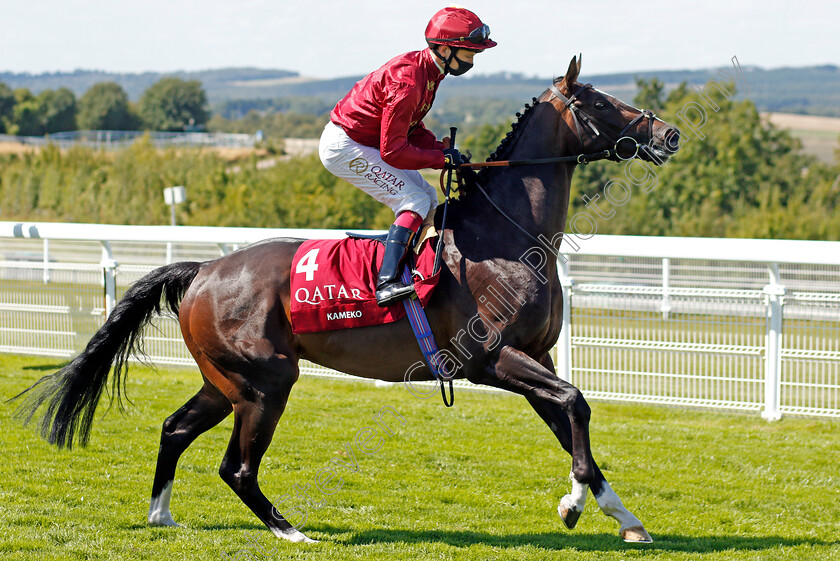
pixel 736 176
pixel 170 104
pixel 743 178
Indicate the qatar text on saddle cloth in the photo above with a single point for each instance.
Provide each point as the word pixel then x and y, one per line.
pixel 333 284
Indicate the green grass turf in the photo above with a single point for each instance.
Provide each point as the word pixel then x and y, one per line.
pixel 479 481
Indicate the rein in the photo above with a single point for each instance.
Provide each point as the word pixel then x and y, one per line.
pixel 580 159
pixel 529 235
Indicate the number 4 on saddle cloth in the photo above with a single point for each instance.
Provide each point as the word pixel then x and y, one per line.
pixel 333 283
pixel 333 287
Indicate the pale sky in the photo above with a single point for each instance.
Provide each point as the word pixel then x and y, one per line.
pixel 335 38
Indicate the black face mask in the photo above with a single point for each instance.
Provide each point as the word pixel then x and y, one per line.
pixel 463 66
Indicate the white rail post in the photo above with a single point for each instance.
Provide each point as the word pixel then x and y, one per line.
pixel 666 282
pixel 46 261
pixel 109 276
pixel 564 345
pixel 775 293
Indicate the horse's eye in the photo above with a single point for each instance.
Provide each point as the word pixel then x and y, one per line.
pixel 600 105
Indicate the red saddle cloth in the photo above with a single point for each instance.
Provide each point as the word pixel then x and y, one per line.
pixel 333 284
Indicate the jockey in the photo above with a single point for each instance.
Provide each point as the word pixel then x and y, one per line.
pixel 376 139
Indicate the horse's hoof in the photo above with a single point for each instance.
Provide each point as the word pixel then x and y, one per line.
pixel 569 515
pixel 293 535
pixel 635 534
pixel 163 521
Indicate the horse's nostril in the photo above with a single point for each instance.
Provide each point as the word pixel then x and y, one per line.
pixel 672 140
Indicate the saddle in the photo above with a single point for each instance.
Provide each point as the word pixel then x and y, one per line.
pixel 333 282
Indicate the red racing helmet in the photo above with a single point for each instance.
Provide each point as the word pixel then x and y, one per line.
pixel 459 28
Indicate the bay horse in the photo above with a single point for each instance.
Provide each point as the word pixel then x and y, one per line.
pixel 234 315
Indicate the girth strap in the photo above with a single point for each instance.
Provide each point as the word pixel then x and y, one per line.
pixel 426 340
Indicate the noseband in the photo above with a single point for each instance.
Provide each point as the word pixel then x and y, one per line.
pixel 579 115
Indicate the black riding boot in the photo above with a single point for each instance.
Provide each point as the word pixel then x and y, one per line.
pixel 389 287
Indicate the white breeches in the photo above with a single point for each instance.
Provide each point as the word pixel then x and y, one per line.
pixel 364 167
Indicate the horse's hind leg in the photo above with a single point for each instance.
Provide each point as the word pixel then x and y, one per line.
pixel 256 413
pixel 202 412
pixel 571 505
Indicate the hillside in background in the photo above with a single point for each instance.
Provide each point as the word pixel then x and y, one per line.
pixel 214 81
pixel 809 90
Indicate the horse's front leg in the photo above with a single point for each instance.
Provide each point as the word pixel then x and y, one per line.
pixel 563 408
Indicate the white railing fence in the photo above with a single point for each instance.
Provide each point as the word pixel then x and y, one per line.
pixel 734 324
pixel 115 140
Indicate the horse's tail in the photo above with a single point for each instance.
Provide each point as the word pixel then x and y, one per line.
pixel 73 392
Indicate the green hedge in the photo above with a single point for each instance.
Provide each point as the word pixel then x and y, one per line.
pixel 126 187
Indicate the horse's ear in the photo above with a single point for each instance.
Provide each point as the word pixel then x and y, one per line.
pixel 572 73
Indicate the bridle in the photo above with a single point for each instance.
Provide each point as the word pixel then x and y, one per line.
pixel 578 115
pixel 619 141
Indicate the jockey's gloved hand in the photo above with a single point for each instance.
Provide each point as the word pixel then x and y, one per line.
pixel 452 158
pixel 467 176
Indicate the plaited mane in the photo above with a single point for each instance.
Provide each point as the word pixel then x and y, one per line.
pixel 502 150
